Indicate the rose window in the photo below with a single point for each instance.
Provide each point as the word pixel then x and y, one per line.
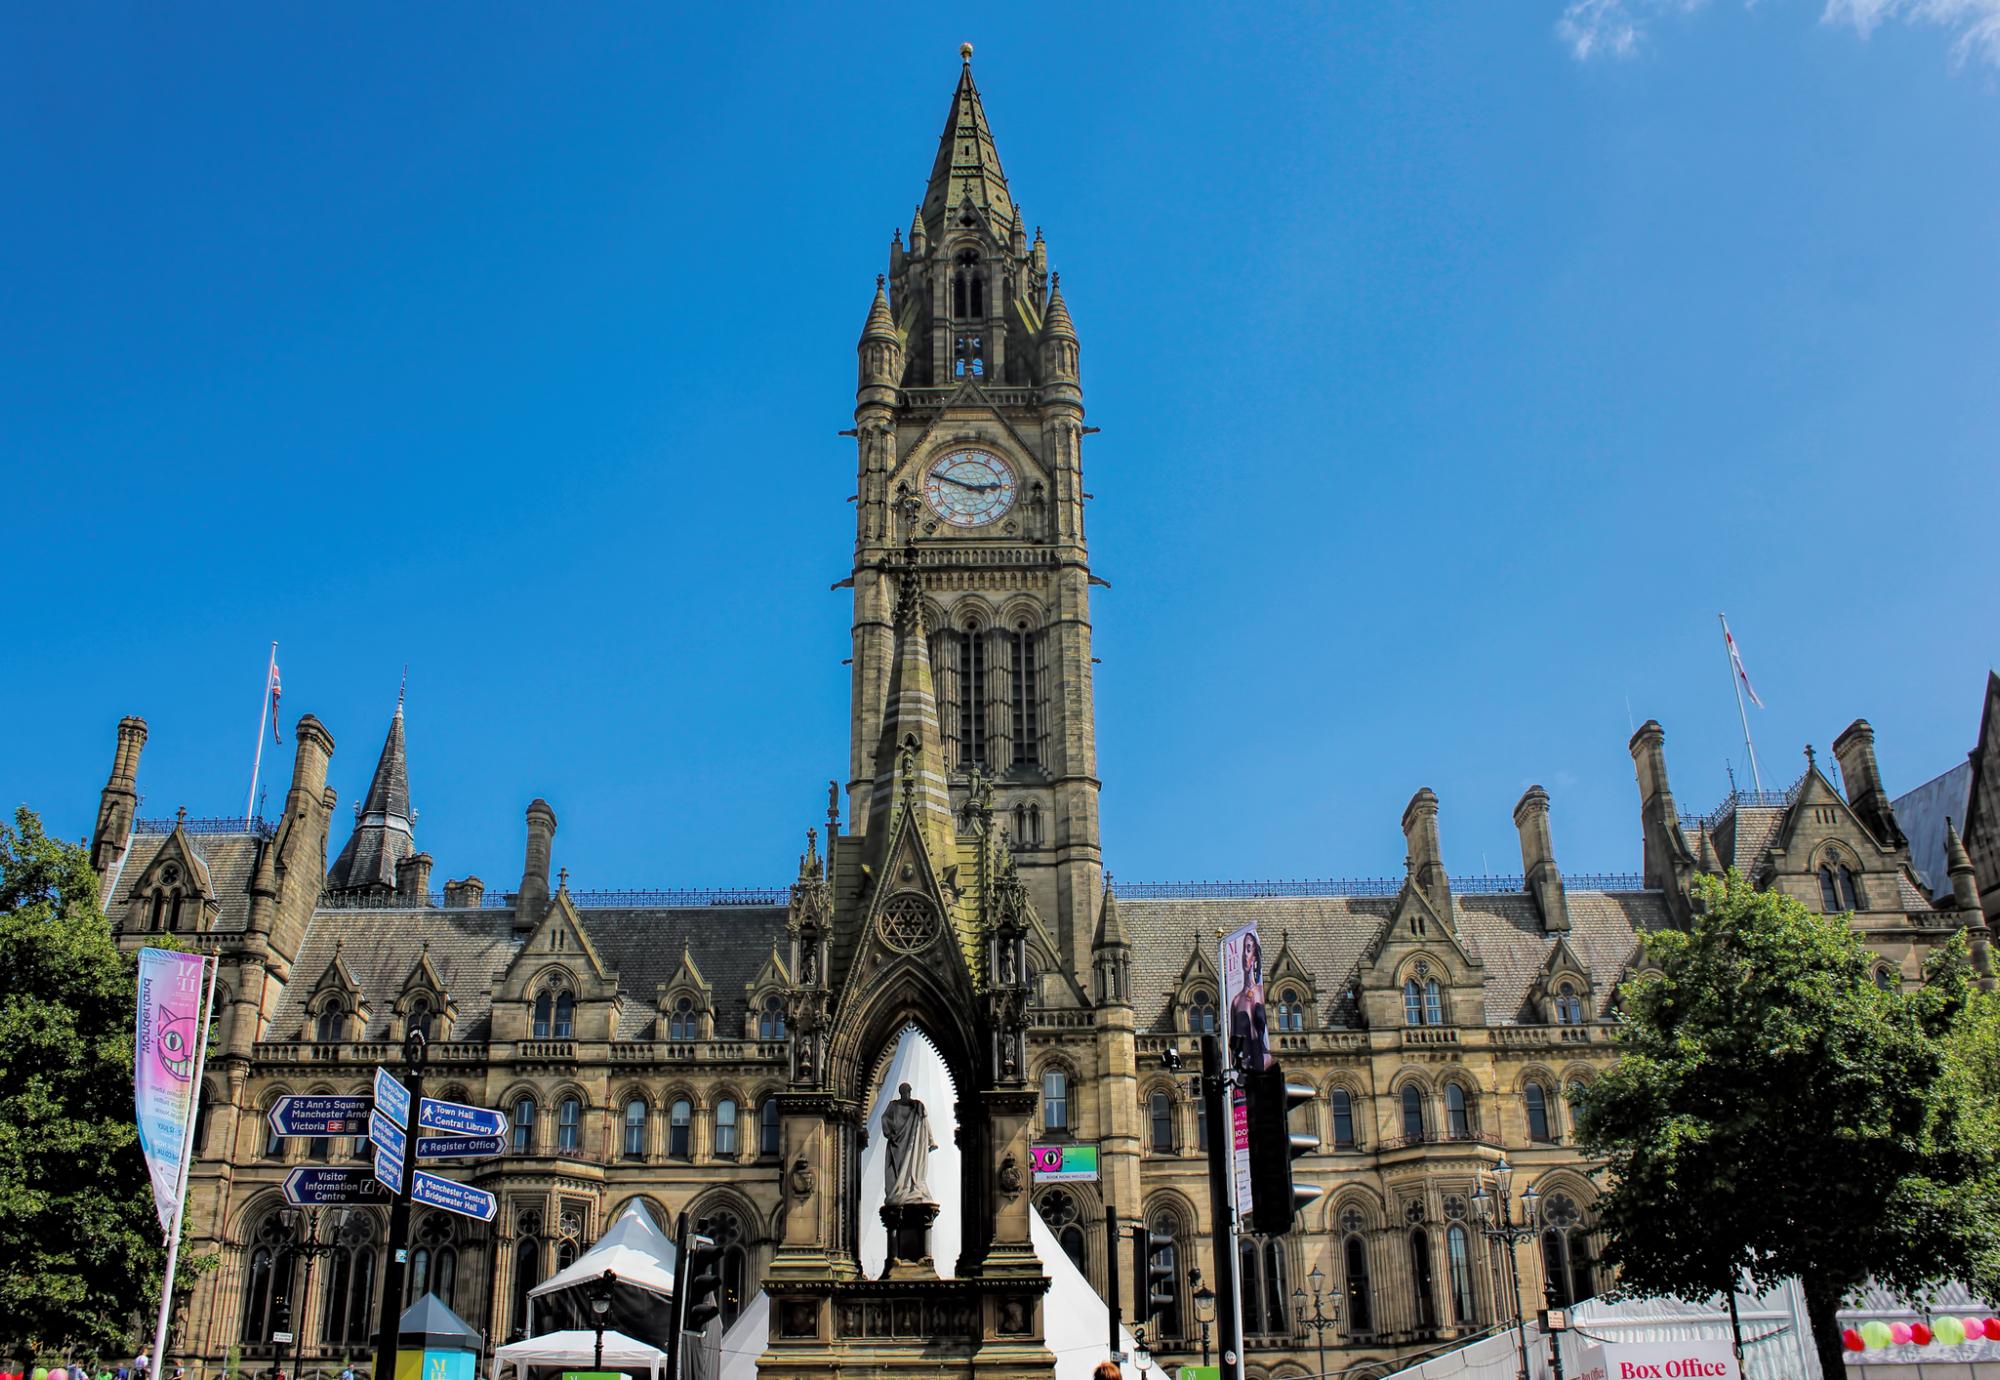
pixel 907 924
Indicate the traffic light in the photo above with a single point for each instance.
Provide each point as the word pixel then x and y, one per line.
pixel 1274 1198
pixel 1152 1274
pixel 701 1297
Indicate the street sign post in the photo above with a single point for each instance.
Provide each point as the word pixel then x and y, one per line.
pixel 319 1116
pixel 457 1119
pixel 386 1136
pixel 308 1187
pixel 389 1170
pixel 392 1099
pixel 460 1147
pixel 463 1199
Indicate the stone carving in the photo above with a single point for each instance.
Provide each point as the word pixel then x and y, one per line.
pixel 803 1179
pixel 1010 1177
pixel 908 1142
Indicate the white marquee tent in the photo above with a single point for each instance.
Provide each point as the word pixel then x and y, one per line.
pixel 578 1351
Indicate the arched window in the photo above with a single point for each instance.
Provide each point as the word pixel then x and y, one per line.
pixel 1829 897
pixel 1413 1114
pixel 1201 1013
pixel 1569 1006
pixel 1343 1119
pixel 683 1023
pixel 565 1025
pixel 635 1129
pixel 527 1274
pixel 1421 1280
pixel 726 1231
pixel 1260 1264
pixel 1167 1316
pixel 1885 978
pixel 267 1281
pixel 1565 1253
pixel 419 1018
pixel 680 1129
pixel 725 1127
pixel 1537 1099
pixel 768 1127
pixel 332 1023
pixel 968 288
pixel 433 1267
pixel 1850 898
pixel 1059 1210
pixel 1413 1002
pixel 274 1144
pixel 202 1097
pixel 1433 1003
pixel 1055 1100
pixel 569 1124
pixel 771 1019
pixel 1291 1011
pixel 347 1310
pixel 1457 1119
pixel 1360 1299
pixel 1024 695
pixel 524 1125
pixel 1160 1112
pixel 1458 1253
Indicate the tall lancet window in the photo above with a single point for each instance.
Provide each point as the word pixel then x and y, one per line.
pixel 970 710
pixel 968 288
pixel 1024 694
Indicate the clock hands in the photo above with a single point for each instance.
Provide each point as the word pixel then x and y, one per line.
pixel 975 488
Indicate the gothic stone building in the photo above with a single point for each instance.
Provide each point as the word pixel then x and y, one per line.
pixel 716 1051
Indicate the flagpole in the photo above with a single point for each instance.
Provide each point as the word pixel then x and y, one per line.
pixel 211 969
pixel 1736 684
pixel 263 711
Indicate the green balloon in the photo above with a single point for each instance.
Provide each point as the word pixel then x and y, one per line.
pixel 39 1373
pixel 1950 1331
pixel 1876 1334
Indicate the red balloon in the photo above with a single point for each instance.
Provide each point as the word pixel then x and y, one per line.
pixel 1993 1328
pixel 1920 1334
pixel 1851 1339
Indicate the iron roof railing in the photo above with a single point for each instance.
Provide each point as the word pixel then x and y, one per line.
pixel 681 898
pixel 1482 885
pixel 238 824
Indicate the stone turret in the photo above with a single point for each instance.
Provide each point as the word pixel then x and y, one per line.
pixel 533 897
pixel 1425 855
pixel 1855 749
pixel 1669 866
pixel 370 866
pixel 1538 859
pixel 118 806
pixel 1111 955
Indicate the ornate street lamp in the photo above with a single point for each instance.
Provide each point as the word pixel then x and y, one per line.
pixel 1325 1311
pixel 1499 1224
pixel 600 1304
pixel 1204 1307
pixel 303 1223
pixel 1142 1354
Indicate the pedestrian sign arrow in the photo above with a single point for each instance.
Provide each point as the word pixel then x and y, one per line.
pixel 389 1170
pixel 455 1118
pixel 392 1099
pixel 319 1116
pixel 386 1136
pixel 460 1147
pixel 463 1199
pixel 306 1187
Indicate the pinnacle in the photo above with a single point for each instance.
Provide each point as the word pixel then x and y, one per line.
pixel 967 168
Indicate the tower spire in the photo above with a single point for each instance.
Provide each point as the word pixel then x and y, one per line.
pixel 968 164
pixel 384 831
pixel 909 755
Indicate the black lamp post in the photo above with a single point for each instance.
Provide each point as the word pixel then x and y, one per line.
pixel 1204 1306
pixel 304 1224
pixel 1142 1354
pixel 600 1304
pixel 1555 1322
pixel 1325 1311
pixel 1498 1224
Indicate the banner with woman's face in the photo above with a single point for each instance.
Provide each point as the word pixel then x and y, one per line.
pixel 1243 998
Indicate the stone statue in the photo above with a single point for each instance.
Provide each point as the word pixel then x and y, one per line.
pixel 906 1133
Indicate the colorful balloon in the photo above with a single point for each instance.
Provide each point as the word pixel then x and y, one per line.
pixel 1852 1340
pixel 1920 1334
pixel 1950 1331
pixel 1875 1332
pixel 1992 1329
pixel 1899 1333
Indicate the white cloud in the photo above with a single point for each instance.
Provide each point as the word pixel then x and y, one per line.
pixel 1615 29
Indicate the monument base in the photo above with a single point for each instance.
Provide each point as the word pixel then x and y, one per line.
pixel 909 1230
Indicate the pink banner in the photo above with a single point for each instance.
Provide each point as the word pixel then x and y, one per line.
pixel 163 1074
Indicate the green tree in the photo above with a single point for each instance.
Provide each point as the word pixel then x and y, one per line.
pixel 1774 1110
pixel 84 1258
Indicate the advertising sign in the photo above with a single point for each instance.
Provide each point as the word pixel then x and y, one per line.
pixel 319 1116
pixel 392 1099
pixel 1700 1359
pixel 1248 1040
pixel 163 1086
pixel 455 1118
pixel 1056 1164
pixel 463 1199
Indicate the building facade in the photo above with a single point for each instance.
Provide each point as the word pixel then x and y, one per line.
pixel 708 1051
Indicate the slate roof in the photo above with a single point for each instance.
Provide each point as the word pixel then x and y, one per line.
pixel 230 859
pixel 1331 935
pixel 1921 814
pixel 383 832
pixel 472 947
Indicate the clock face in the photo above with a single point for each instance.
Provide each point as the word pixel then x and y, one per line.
pixel 969 487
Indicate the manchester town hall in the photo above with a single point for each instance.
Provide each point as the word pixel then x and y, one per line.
pixel 716 1051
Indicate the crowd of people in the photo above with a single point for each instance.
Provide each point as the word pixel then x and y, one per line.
pixel 95 1370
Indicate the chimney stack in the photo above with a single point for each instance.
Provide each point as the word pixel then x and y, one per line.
pixel 465 895
pixel 1538 859
pixel 413 879
pixel 1426 860
pixel 1855 748
pixel 118 806
pixel 1669 864
pixel 533 897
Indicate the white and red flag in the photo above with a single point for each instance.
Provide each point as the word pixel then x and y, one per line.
pixel 1736 661
pixel 277 690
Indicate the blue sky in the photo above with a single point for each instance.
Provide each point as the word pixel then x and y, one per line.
pixel 1456 364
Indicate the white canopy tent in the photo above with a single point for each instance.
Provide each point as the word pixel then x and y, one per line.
pixel 578 1351
pixel 634 1250
pixel 1075 1320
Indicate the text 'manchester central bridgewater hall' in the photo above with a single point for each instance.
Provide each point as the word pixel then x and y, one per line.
pixel 716 1051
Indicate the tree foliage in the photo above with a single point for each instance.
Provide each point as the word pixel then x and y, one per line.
pixel 1774 1110
pixel 84 1257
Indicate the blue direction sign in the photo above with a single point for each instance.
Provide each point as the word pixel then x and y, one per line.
pixel 455 1118
pixel 460 1147
pixel 313 1187
pixel 463 1199
pixel 392 1099
pixel 386 1135
pixel 389 1170
pixel 319 1116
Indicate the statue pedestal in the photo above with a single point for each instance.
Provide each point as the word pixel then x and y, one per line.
pixel 909 1230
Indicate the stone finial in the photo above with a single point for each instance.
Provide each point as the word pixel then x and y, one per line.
pixel 965 53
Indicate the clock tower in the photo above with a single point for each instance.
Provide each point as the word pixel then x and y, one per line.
pixel 968 420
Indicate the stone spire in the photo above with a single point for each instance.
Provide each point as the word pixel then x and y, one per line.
pixel 384 828
pixel 1958 865
pixel 968 164
pixel 909 754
